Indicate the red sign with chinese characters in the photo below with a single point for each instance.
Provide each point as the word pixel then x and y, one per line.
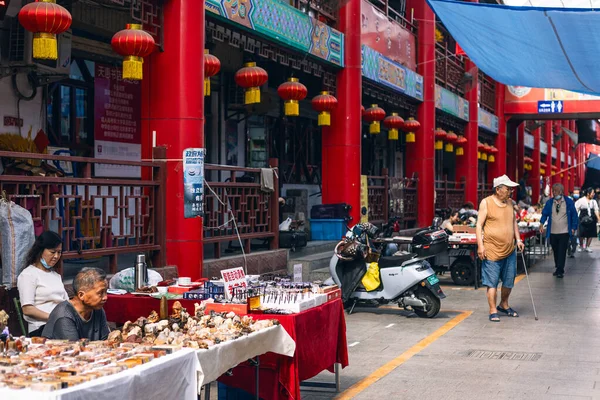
pixel 387 37
pixel 117 121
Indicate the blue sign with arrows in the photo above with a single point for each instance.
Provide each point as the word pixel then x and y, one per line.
pixel 550 107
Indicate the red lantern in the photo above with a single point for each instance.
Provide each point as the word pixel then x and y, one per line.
pixel 324 103
pixel 45 19
pixel 374 115
pixel 251 78
pixel 440 136
pixel 460 142
pixel 292 92
pixel 451 137
pixel 411 126
pixel 393 123
pixel 362 110
pixel 134 44
pixel 212 66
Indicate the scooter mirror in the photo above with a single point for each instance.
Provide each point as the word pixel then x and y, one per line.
pixel 437 222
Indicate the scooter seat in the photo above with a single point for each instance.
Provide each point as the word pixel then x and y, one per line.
pixel 395 261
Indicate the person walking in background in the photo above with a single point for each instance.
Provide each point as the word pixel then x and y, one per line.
pixel 561 215
pixel 497 231
pixel 587 211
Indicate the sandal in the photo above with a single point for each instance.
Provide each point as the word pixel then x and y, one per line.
pixel 494 317
pixel 509 311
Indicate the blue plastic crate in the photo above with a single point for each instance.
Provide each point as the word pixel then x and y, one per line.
pixel 327 229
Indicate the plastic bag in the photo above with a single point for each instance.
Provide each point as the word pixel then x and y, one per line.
pixel 285 225
pixel 371 280
pixel 16 231
pixel 126 279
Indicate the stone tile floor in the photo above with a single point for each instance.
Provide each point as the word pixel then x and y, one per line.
pixel 566 339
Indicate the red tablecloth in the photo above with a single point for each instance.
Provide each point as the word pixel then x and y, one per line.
pixel 319 333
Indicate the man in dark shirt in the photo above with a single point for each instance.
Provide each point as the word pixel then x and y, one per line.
pixel 82 317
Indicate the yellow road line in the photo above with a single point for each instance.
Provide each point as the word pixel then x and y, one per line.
pixel 381 372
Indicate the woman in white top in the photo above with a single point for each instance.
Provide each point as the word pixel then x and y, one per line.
pixel 586 206
pixel 40 287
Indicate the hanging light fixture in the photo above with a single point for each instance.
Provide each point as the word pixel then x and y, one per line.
pixel 411 127
pixel 374 115
pixel 134 44
pixel 251 78
pixel 460 143
pixel 212 66
pixel 292 92
pixel 451 138
pixel 440 136
pixel 324 103
pixel 45 19
pixel 393 123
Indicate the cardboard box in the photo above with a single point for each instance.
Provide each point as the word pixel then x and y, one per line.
pixel 463 229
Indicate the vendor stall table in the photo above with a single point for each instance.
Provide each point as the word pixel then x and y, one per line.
pixel 319 334
pixel 169 377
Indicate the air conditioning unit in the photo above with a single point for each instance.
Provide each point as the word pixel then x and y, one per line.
pixel 18 51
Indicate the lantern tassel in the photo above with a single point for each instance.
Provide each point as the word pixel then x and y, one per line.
pixel 393 134
pixel 252 95
pixel 291 108
pixel 324 118
pixel 133 68
pixel 375 127
pixel 207 86
pixel 449 148
pixel 439 145
pixel 45 46
pixel 411 137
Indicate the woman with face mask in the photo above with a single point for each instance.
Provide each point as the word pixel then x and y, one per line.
pixel 40 286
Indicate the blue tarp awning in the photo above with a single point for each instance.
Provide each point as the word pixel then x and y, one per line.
pixel 528 46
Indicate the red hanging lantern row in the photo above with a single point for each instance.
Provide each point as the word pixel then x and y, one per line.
pixel 292 92
pixel 440 136
pixel 45 19
pixel 134 44
pixel 543 165
pixel 393 123
pixel 374 115
pixel 451 137
pixel 493 151
pixel 411 127
pixel 460 142
pixel 251 78
pixel 480 147
pixel 324 103
pixel 212 66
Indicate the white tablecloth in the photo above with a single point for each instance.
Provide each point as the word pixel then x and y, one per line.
pixel 169 377
pixel 217 360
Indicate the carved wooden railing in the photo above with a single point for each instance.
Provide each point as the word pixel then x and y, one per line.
pixel 483 191
pixel 449 194
pixel 236 209
pixel 94 216
pixel 389 196
pixel 488 93
pixel 449 69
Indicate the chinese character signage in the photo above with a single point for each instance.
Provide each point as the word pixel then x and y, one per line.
pixel 234 278
pixel 117 122
pixel 450 103
pixel 193 182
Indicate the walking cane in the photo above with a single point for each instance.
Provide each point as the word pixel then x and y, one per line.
pixel 529 285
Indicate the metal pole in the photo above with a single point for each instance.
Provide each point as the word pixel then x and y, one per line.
pixel 529 285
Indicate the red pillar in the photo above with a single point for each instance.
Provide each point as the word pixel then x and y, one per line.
pixel 173 106
pixel 511 156
pixel 565 149
pixel 467 165
pixel 520 151
pixel 341 143
pixel 421 155
pixel 498 168
pixel 557 162
pixel 534 175
pixel 548 160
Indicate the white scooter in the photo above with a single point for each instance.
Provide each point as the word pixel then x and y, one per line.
pixel 406 279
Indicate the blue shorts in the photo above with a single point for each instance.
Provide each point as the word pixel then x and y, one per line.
pixel 494 271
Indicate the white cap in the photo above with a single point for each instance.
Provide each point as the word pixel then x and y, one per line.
pixel 504 180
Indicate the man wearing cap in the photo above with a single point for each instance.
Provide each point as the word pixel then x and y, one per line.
pixel 497 231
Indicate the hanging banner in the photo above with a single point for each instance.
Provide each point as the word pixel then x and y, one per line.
pixel 193 182
pixel 364 199
pixel 387 37
pixel 450 103
pixel 117 122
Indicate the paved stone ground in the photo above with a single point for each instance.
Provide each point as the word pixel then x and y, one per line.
pixel 567 338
